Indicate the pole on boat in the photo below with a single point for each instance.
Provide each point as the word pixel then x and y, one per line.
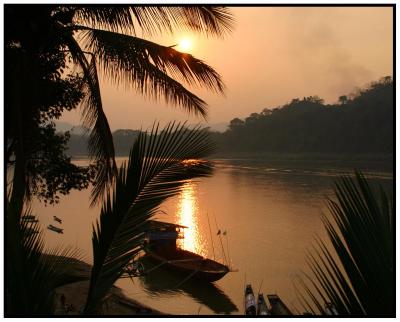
pixel 220 240
pixel 260 286
pixel 244 290
pixel 227 248
pixel 212 243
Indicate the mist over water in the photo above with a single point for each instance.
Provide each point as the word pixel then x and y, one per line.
pixel 269 210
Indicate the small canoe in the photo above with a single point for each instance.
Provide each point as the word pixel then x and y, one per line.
pixel 30 231
pixel 330 309
pixel 56 229
pixel 277 305
pixel 249 301
pixel 57 219
pixel 262 308
pixel 28 217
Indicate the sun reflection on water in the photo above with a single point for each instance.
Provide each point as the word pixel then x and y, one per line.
pixel 188 215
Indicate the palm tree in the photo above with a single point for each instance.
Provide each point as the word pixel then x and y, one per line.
pixel 357 278
pixel 104 39
pixel 34 272
pixel 159 164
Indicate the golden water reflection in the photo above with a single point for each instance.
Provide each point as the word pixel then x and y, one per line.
pixel 189 215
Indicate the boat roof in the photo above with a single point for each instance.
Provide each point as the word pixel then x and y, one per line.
pixel 155 224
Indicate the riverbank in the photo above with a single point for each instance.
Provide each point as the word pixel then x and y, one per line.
pixel 70 298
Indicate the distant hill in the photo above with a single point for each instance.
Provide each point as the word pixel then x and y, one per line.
pixel 217 127
pixel 63 126
pixel 358 123
pixel 123 141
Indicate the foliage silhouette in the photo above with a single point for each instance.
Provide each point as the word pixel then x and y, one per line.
pixel 33 273
pixel 159 164
pixel 357 276
pixel 361 123
pixel 42 39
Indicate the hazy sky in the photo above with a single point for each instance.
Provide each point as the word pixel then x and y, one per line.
pixel 274 54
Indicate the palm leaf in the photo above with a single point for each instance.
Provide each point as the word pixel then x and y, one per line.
pixel 111 45
pixel 208 20
pixel 159 164
pixel 361 235
pixel 151 69
pixel 115 18
pixel 101 145
pixel 33 273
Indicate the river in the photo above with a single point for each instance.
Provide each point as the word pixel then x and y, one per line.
pixel 268 213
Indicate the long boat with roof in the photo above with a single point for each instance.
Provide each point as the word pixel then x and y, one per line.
pixel 161 246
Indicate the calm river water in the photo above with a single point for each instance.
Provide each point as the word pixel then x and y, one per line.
pixel 269 210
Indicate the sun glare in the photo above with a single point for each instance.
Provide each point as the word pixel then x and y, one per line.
pixel 185 44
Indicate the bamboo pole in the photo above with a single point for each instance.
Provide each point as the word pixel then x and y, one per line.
pixel 212 243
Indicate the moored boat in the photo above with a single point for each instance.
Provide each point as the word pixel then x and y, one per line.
pixel 262 308
pixel 161 246
pixel 330 309
pixel 277 305
pixel 57 219
pixel 249 301
pixel 56 229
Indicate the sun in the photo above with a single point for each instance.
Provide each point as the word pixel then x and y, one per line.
pixel 185 44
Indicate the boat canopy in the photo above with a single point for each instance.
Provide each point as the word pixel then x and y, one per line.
pixel 159 225
pixel 164 231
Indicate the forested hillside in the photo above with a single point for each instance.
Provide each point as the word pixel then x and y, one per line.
pixel 123 140
pixel 358 123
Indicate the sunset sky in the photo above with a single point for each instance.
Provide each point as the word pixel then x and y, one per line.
pixel 274 54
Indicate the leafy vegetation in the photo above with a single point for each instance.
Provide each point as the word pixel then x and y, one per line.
pixel 360 123
pixel 52 56
pixel 159 164
pixel 357 275
pixel 33 272
pixel 55 53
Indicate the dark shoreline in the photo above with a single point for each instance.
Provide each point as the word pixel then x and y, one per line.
pixel 116 302
pixel 381 162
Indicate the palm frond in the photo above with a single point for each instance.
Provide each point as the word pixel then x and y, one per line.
pixel 109 46
pixel 33 273
pixel 101 145
pixel 361 235
pixel 208 20
pixel 114 18
pixel 153 70
pixel 159 164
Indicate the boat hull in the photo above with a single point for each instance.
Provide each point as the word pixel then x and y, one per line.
pixel 190 263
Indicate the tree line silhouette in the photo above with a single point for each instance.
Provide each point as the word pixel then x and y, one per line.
pixel 361 122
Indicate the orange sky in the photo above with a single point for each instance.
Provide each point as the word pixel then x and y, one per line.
pixel 273 55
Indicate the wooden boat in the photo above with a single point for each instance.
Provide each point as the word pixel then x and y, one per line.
pixel 249 301
pixel 166 282
pixel 330 309
pixel 30 231
pixel 56 229
pixel 57 219
pixel 28 217
pixel 160 246
pixel 30 220
pixel 262 308
pixel 277 305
